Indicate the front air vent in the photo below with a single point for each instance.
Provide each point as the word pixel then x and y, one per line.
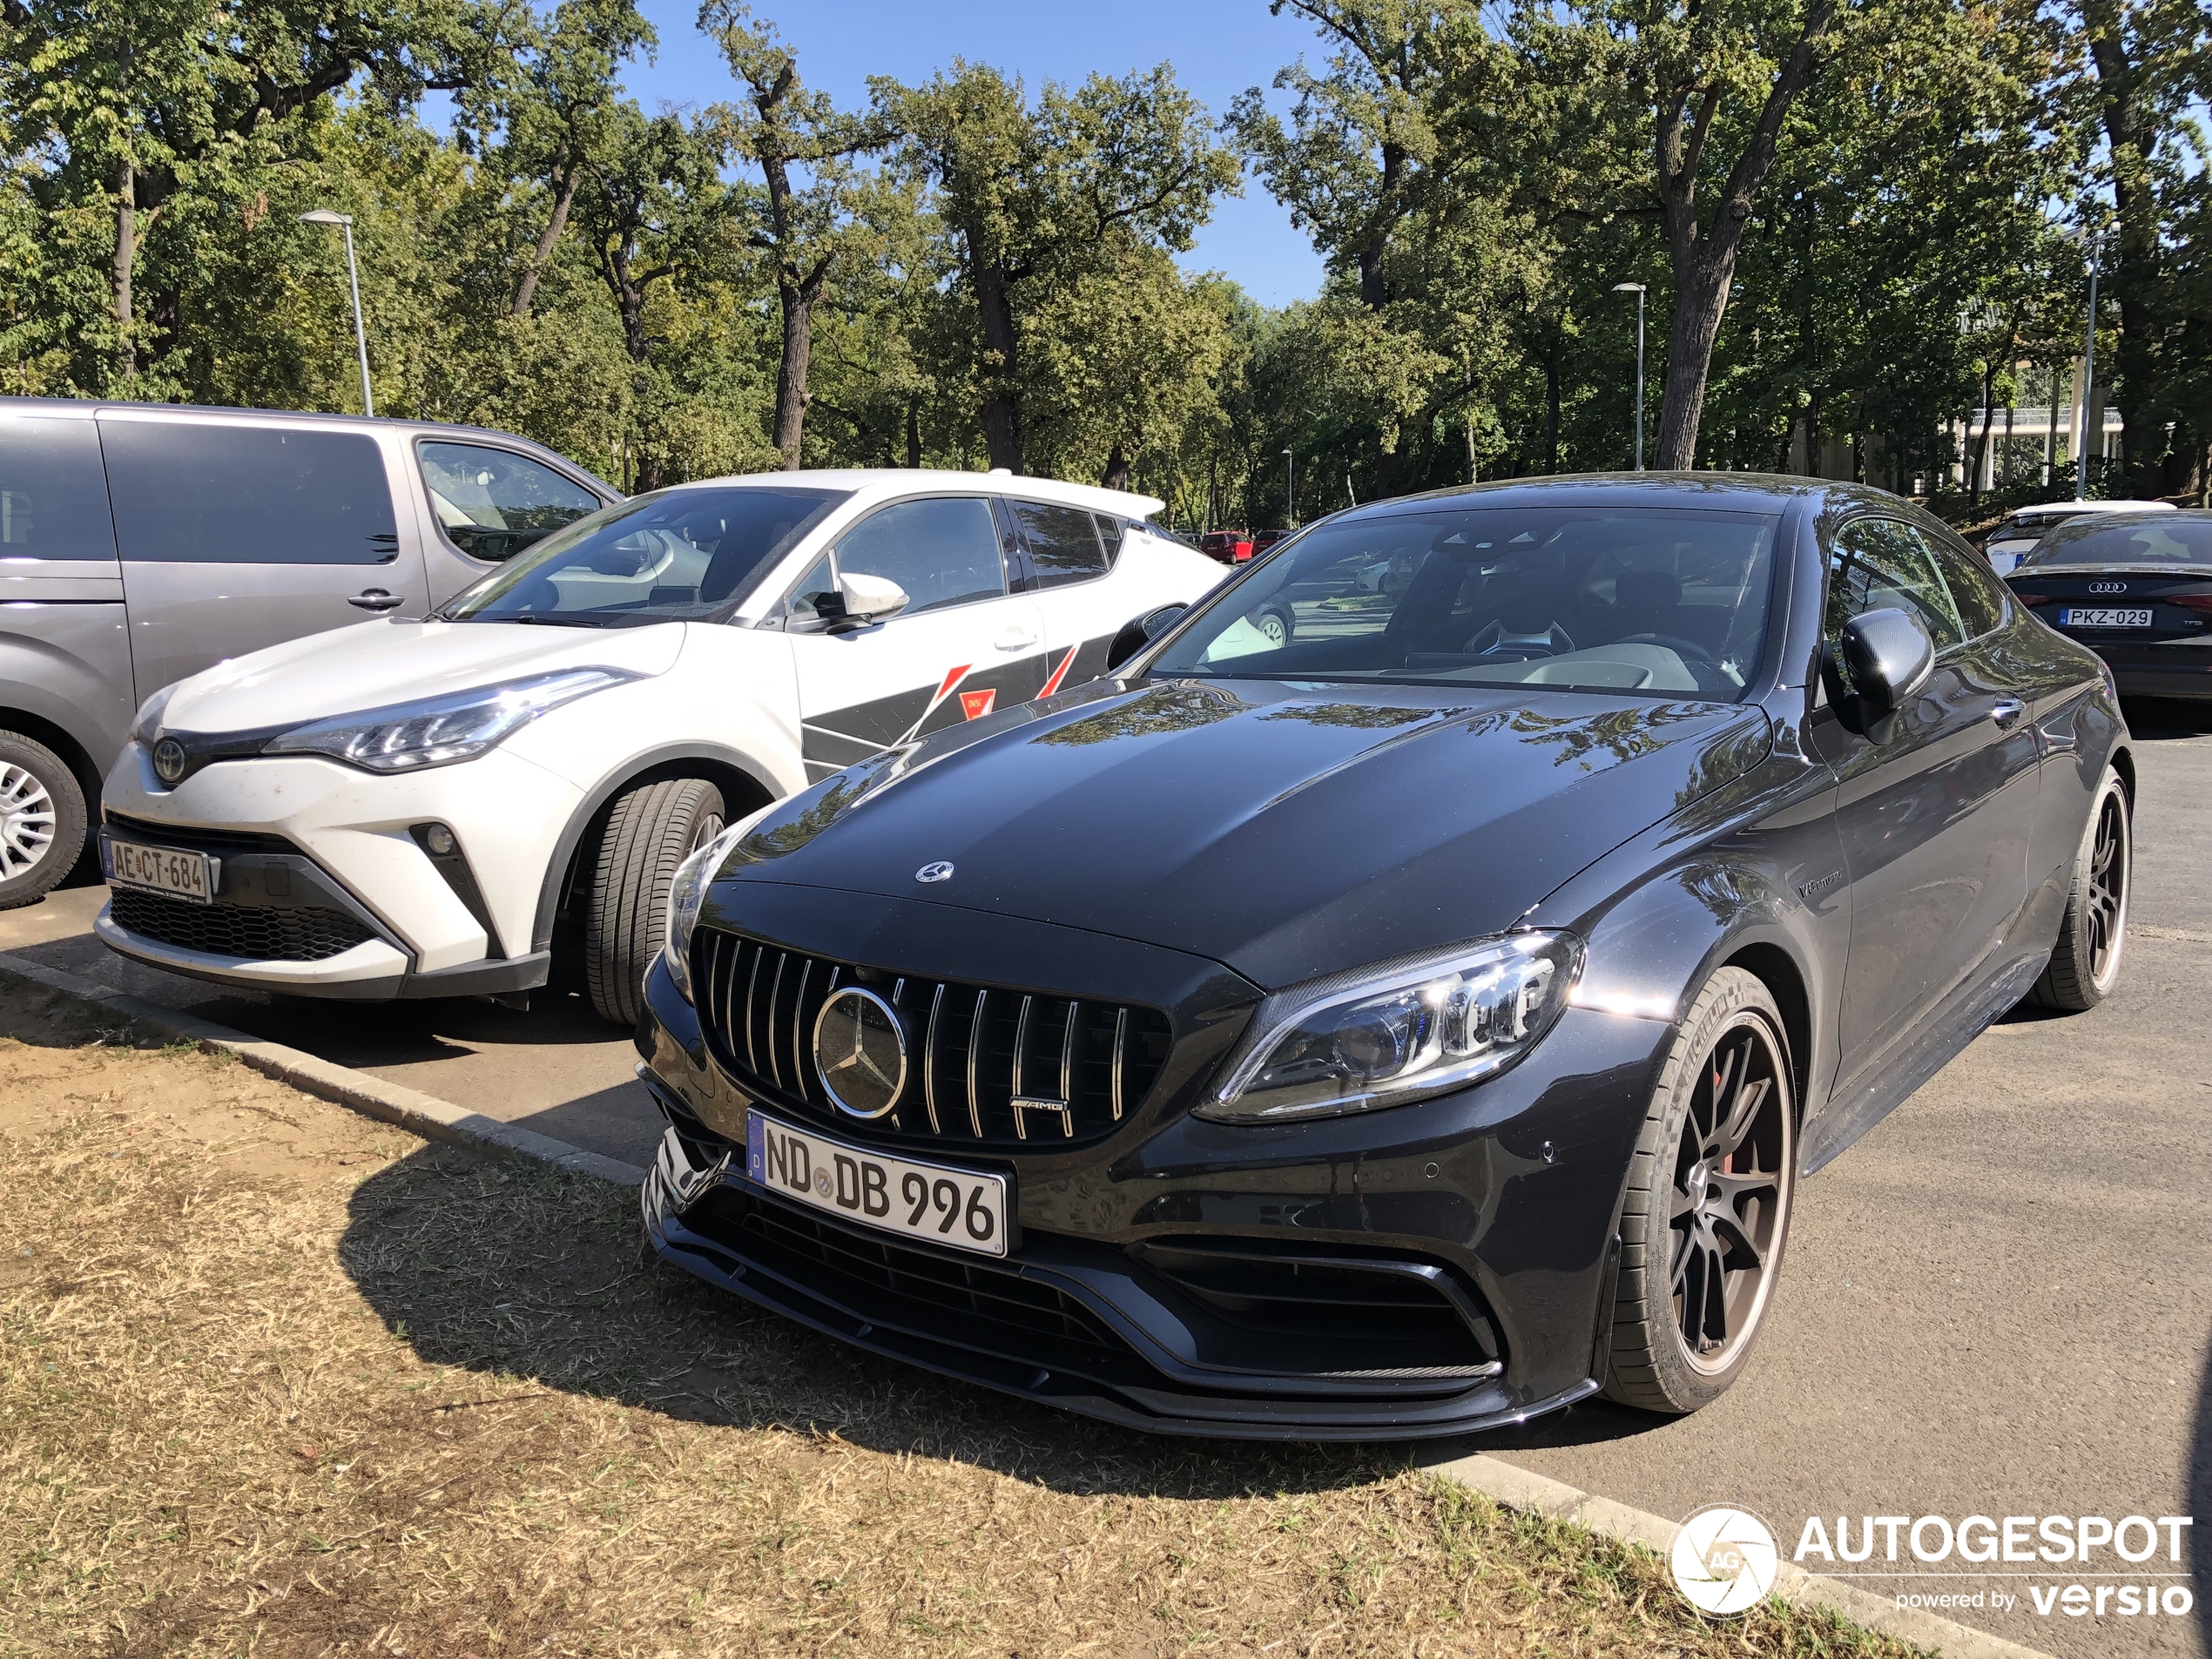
pixel 986 1066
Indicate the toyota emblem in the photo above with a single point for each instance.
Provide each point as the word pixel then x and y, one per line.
pixel 2108 587
pixel 861 1052
pixel 169 760
pixel 939 871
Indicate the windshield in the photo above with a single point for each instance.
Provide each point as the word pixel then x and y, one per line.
pixel 1645 602
pixel 674 556
pixel 2170 538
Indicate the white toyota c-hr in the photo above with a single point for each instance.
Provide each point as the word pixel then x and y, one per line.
pixel 496 795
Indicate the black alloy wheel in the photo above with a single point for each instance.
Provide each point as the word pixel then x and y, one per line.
pixel 2093 934
pixel 1707 1208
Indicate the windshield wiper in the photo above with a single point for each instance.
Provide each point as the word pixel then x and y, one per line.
pixel 540 618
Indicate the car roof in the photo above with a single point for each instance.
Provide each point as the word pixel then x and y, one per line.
pixel 886 481
pixel 2075 509
pixel 1726 491
pixel 86 408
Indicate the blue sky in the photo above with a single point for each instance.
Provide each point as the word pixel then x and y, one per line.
pixel 1218 48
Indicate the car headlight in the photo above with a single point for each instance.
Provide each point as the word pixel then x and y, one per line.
pixel 1398 1031
pixel 146 729
pixel 687 891
pixel 441 731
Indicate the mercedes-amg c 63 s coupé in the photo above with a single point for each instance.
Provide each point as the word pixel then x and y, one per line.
pixel 1411 1020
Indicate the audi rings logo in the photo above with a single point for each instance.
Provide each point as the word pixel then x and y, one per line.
pixel 2108 587
pixel 1724 1560
pixel 169 760
pixel 861 1052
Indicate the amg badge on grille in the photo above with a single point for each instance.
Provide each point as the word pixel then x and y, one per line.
pixel 939 871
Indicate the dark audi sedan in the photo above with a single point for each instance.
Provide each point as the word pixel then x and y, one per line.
pixel 2136 588
pixel 1412 1021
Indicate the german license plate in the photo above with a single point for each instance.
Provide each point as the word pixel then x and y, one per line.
pixel 2105 617
pixel 960 1209
pixel 171 870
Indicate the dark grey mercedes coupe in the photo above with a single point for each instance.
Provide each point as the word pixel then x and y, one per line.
pixel 1405 995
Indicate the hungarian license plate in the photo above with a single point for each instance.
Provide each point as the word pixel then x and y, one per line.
pixel 2105 617
pixel 171 870
pixel 960 1209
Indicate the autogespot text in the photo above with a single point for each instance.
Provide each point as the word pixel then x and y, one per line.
pixel 2130 1568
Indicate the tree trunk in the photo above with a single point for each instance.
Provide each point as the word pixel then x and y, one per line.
pixel 1981 444
pixel 1704 259
pixel 127 250
pixel 791 369
pixel 2136 284
pixel 1000 414
pixel 526 290
pixel 1551 405
pixel 914 433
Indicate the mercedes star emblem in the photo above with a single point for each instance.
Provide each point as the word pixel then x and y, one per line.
pixel 939 871
pixel 861 1052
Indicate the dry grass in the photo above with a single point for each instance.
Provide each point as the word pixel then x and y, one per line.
pixel 276 1380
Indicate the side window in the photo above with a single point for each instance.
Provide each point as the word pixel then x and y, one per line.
pixel 1063 541
pixel 1111 531
pixel 943 551
pixel 193 492
pixel 816 581
pixel 492 503
pixel 1974 587
pixel 1878 563
pixel 53 496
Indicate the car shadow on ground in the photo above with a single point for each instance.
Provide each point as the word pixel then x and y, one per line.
pixel 533 1279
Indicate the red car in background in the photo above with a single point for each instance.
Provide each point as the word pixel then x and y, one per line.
pixel 1231 547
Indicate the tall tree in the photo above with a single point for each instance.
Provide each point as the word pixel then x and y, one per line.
pixel 804 147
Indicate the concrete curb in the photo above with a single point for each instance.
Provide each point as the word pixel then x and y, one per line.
pixel 1518 1489
pixel 426 1114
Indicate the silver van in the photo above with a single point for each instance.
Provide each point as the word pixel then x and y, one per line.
pixel 142 542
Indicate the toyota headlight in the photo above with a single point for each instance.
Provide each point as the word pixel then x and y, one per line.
pixel 442 731
pixel 145 731
pixel 687 891
pixel 1399 1031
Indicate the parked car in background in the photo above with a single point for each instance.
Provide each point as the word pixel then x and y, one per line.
pixel 2020 531
pixel 1227 547
pixel 141 543
pixel 2136 589
pixel 1261 542
pixel 1420 1023
pixel 456 806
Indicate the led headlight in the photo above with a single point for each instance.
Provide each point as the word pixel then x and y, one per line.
pixel 687 891
pixel 1398 1031
pixel 442 731
pixel 145 731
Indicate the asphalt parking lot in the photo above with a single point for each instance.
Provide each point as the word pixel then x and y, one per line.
pixel 1997 1303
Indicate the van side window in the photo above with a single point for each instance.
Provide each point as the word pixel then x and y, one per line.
pixel 1063 541
pixel 53 496
pixel 206 492
pixel 492 503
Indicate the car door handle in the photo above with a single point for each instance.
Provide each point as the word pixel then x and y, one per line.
pixel 375 599
pixel 1013 637
pixel 2006 713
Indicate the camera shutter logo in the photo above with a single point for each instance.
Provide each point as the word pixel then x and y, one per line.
pixel 1724 1560
pixel 861 1052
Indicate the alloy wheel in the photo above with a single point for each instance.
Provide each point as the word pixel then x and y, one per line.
pixel 2108 906
pixel 1730 1194
pixel 28 820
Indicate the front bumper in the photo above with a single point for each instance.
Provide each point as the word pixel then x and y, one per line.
pixel 1503 1199
pixel 324 889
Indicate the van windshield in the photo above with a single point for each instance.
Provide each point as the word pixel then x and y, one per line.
pixel 1650 602
pixel 674 556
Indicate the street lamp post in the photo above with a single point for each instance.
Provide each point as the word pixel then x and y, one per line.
pixel 1636 288
pixel 345 222
pixel 1290 486
pixel 2089 373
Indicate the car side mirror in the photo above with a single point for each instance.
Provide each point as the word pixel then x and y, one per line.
pixel 1140 631
pixel 858 600
pixel 1889 654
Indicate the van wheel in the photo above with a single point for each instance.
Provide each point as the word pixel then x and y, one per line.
pixel 649 831
pixel 42 819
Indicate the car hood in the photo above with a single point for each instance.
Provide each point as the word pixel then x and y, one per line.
pixel 374 664
pixel 1285 832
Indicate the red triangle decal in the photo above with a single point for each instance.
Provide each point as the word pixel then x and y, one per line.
pixel 976 705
